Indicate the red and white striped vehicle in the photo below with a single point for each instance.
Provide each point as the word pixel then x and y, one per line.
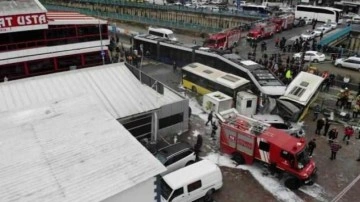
pixel 249 140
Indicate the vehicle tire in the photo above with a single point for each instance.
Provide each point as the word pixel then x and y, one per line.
pixel 340 66
pixel 238 158
pixel 189 163
pixel 316 60
pixel 208 195
pixel 193 89
pixel 293 183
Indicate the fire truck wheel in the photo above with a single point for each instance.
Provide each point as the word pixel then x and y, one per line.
pixel 293 183
pixel 193 89
pixel 238 158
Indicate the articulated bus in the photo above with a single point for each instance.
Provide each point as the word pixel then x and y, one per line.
pixel 302 92
pixel 322 14
pixel 203 79
pixel 264 81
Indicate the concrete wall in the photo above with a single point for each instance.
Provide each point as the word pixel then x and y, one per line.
pixel 144 192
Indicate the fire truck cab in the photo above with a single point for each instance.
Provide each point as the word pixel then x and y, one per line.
pixel 249 140
pixel 261 31
pixel 223 40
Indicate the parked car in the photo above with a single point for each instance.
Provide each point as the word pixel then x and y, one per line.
pixel 308 35
pixel 312 56
pixel 351 62
pixel 299 23
pixel 356 19
pixel 176 156
pixel 333 25
pixel 308 21
pixel 294 129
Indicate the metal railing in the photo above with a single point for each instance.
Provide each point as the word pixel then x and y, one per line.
pixel 138 19
pixel 248 15
pixel 335 36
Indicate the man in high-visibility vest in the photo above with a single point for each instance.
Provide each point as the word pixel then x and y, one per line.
pixel 288 76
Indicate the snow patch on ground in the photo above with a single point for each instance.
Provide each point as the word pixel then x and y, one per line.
pixel 195 133
pixel 196 109
pixel 315 191
pixel 270 184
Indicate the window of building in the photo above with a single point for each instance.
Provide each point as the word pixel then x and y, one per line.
pixel 65 62
pixel 171 120
pixel 41 66
pixel 194 186
pixel 12 71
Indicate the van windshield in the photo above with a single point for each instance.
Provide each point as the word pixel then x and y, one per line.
pixel 303 159
pixel 165 189
pixel 171 36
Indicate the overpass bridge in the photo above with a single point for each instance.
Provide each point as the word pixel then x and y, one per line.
pixel 176 17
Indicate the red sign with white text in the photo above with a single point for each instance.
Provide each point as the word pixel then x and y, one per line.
pixel 23 20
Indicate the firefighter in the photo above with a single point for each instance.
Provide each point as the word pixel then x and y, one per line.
pixel 197 147
pixel 356 110
pixel 213 132
pixel 335 147
pixel 340 97
pixel 319 125
pixel 210 117
pixel 348 132
pixel 311 147
pixel 333 134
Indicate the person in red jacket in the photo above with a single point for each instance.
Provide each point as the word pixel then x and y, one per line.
pixel 349 131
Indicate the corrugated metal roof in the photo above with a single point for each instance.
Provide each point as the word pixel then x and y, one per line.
pixel 20 7
pixel 116 88
pixel 72 18
pixel 69 150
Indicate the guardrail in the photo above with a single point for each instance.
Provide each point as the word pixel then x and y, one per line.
pixel 137 19
pixel 165 7
pixel 335 36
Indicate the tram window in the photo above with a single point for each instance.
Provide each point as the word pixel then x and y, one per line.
pixel 40 66
pixel 66 61
pixel 93 59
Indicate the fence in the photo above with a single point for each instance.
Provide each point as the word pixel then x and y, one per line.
pixel 335 36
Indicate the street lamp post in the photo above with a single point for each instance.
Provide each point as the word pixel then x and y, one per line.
pixel 101 44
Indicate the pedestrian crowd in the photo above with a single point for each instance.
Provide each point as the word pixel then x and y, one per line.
pixel 323 126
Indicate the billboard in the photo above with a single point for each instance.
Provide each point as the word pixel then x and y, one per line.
pixel 24 22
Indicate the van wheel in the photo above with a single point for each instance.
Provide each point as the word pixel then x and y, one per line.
pixel 193 89
pixel 238 158
pixel 316 60
pixel 340 66
pixel 189 163
pixel 208 196
pixel 293 183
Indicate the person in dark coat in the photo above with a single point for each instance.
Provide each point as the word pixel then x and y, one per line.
pixel 317 110
pixel 213 132
pixel 174 66
pixel 319 125
pixel 333 134
pixel 210 117
pixel 335 147
pixel 327 126
pixel 311 146
pixel 197 146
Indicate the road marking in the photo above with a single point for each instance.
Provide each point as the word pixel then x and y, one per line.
pixel 346 189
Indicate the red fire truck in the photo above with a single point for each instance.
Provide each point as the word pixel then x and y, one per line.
pixel 249 140
pixel 261 31
pixel 223 40
pixel 283 22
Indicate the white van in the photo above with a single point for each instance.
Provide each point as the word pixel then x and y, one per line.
pixel 351 62
pixel 192 182
pixel 162 32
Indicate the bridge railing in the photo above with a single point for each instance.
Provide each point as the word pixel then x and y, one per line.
pixel 335 36
pixel 132 18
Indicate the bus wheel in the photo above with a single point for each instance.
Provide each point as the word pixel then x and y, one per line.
pixel 238 158
pixel 293 183
pixel 193 89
